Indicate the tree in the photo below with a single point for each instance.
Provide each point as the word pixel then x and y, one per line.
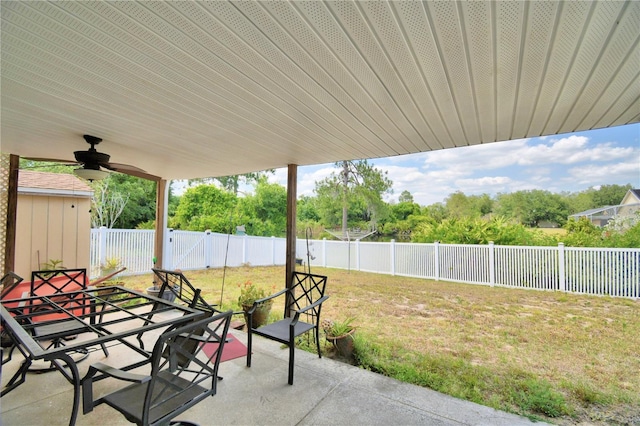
pixel 306 209
pixel 205 207
pixel 232 183
pixel 437 212
pixel 265 212
pixel 402 211
pixel 532 207
pixel 405 197
pixel 610 195
pixel 356 191
pixel 141 194
pixel 106 205
pixel 460 205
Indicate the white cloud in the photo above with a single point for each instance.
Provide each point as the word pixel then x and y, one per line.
pixel 572 150
pixel 568 150
pixel 593 174
pixel 488 184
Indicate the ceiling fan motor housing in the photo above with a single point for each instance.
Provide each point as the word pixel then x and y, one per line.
pixel 92 157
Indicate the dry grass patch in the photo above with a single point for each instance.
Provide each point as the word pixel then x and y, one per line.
pixel 583 349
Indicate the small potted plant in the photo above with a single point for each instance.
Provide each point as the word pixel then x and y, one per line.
pixel 108 270
pixel 340 334
pixel 249 293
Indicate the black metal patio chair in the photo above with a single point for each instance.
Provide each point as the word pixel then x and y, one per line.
pixel 181 374
pixel 305 297
pixel 54 283
pixel 174 285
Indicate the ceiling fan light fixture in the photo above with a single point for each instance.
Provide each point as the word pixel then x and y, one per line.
pixel 90 174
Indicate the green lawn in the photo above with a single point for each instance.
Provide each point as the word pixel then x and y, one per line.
pixel 554 356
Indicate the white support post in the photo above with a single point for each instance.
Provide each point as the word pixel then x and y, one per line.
pixel 561 272
pixel 492 265
pixel 208 248
pixel 168 250
pixel 102 244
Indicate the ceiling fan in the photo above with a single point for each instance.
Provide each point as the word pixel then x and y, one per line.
pixel 93 162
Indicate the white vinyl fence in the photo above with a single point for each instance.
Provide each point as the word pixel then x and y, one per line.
pixel 598 271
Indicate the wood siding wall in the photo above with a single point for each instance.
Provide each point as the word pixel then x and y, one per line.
pixel 52 228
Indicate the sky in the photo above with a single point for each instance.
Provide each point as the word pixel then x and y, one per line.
pixel 570 162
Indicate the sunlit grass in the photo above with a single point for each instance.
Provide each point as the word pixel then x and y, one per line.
pixel 552 231
pixel 530 352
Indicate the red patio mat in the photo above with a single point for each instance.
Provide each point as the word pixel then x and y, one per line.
pixel 234 348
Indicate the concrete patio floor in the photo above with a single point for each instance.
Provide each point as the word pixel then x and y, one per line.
pixel 325 391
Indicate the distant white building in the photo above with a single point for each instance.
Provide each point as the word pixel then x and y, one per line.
pixel 629 206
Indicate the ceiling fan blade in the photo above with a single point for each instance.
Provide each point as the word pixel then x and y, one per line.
pixel 52 160
pixel 130 170
pixel 119 167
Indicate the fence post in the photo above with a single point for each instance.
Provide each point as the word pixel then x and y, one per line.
pixel 324 252
pixel 357 255
pixel 392 247
pixel 492 264
pixel 562 278
pixel 273 250
pixel 168 250
pixel 436 255
pixel 208 248
pixel 244 249
pixel 102 244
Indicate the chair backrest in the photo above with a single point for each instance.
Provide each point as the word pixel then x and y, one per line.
pixel 44 283
pixel 176 386
pixel 305 290
pixel 61 281
pixel 176 283
pixel 9 281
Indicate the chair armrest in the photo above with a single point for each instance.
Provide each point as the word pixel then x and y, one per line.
pixel 296 316
pixel 87 381
pixel 116 373
pixel 273 296
pixel 264 299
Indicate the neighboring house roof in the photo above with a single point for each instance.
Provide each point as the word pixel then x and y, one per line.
pixel 630 195
pixel 59 184
pixel 592 212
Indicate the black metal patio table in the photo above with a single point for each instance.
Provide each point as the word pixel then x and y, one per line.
pixel 115 313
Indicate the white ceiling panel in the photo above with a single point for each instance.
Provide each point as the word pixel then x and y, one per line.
pixel 196 89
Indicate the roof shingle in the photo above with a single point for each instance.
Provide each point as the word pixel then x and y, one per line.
pixel 46 180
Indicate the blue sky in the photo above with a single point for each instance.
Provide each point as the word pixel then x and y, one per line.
pixel 571 162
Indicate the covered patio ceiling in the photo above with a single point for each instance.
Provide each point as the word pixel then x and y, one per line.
pixel 196 89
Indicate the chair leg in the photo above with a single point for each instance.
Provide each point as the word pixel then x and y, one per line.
pixel 249 339
pixel 292 352
pixel 318 342
pixel 104 349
